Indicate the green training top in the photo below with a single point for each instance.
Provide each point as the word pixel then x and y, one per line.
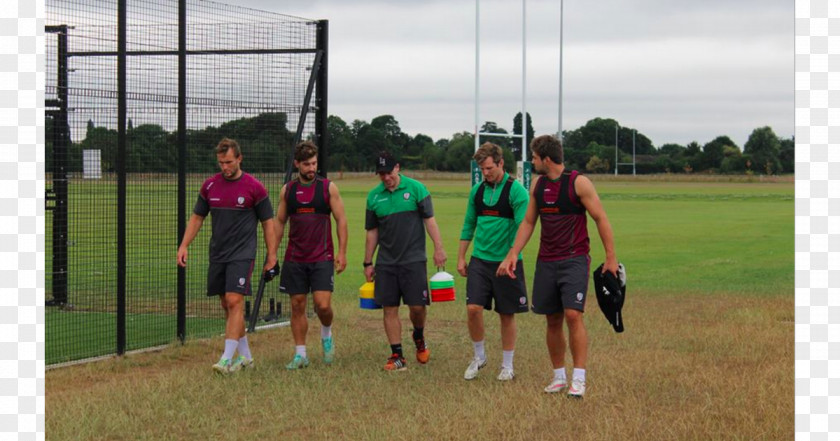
pixel 399 217
pixel 494 235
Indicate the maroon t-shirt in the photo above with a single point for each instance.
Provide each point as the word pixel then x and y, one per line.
pixel 236 206
pixel 310 227
pixel 562 218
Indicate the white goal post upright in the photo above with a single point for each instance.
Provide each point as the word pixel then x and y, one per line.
pixel 523 166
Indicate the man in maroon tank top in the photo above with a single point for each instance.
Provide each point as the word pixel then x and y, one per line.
pixel 310 263
pixel 561 198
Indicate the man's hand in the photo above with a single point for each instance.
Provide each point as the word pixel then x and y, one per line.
pixel 269 273
pixel 507 268
pixel 369 273
pixel 462 267
pixel 182 257
pixel 340 263
pixel 440 257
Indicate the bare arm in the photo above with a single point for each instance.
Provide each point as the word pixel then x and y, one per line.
pixel 585 191
pixel 193 226
pixel 280 218
pixel 337 207
pixel 523 235
pixel 434 234
pixel 270 244
pixel 371 241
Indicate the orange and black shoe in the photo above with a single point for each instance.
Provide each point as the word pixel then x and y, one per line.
pixel 395 363
pixel 422 351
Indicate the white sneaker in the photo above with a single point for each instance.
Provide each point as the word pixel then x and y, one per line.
pixel 506 374
pixel 556 385
pixel 577 388
pixel 472 369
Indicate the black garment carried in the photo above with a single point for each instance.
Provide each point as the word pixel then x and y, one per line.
pixel 610 292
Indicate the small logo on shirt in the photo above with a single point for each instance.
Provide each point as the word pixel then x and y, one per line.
pixel 210 185
pixel 240 200
pixel 215 199
pixel 406 195
pixel 382 200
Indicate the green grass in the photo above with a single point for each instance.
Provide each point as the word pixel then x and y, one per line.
pixel 707 352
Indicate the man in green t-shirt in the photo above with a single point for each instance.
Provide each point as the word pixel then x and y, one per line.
pixel 495 208
pixel 397 211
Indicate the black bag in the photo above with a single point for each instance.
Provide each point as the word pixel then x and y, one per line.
pixel 610 292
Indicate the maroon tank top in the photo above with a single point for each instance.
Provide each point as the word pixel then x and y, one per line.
pixel 562 218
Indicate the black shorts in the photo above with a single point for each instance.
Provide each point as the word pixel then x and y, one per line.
pixel 228 277
pixel 560 284
pixel 303 278
pixel 485 288
pixel 406 282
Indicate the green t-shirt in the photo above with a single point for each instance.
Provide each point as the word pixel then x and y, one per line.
pixel 494 235
pixel 399 217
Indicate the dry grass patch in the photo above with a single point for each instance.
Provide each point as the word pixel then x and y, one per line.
pixel 694 367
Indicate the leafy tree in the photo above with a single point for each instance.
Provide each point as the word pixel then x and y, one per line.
pixel 786 155
pixel 516 143
pixel 597 165
pixel 492 127
pixel 460 152
pixel 713 152
pixel 764 147
pixel 342 148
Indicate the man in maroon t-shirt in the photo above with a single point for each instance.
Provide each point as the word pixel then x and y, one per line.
pixel 561 198
pixel 237 202
pixel 310 263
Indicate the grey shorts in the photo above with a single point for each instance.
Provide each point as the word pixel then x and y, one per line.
pixel 406 282
pixel 303 278
pixel 560 284
pixel 485 288
pixel 228 277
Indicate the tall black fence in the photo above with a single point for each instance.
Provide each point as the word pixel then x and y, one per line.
pixel 138 93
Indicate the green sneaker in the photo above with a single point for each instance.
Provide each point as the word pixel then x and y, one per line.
pixel 298 363
pixel 329 349
pixel 240 362
pixel 222 366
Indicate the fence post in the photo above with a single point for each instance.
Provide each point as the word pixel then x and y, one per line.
pixel 182 163
pixel 121 178
pixel 321 113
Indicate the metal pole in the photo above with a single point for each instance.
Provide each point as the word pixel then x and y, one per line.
pixel 616 149
pixel 182 164
pixel 524 113
pixel 634 152
pixel 321 114
pixel 560 99
pixel 477 48
pixel 122 107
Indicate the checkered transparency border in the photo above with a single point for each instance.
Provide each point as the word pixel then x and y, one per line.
pixel 817 201
pixel 22 220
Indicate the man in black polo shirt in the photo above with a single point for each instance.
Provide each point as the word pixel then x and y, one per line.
pixel 397 211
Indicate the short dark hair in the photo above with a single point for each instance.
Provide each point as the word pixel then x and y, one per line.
pixel 305 150
pixel 548 146
pixel 226 144
pixel 488 150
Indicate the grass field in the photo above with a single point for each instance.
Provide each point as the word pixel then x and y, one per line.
pixel 707 352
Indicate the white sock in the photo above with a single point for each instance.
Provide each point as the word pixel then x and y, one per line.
pixel 300 350
pixel 326 331
pixel 243 348
pixel 560 374
pixel 579 374
pixel 478 347
pixel 507 359
pixel 230 348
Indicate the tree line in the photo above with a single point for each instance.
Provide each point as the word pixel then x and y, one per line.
pixel 590 148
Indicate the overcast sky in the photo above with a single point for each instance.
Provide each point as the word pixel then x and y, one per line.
pixel 677 71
